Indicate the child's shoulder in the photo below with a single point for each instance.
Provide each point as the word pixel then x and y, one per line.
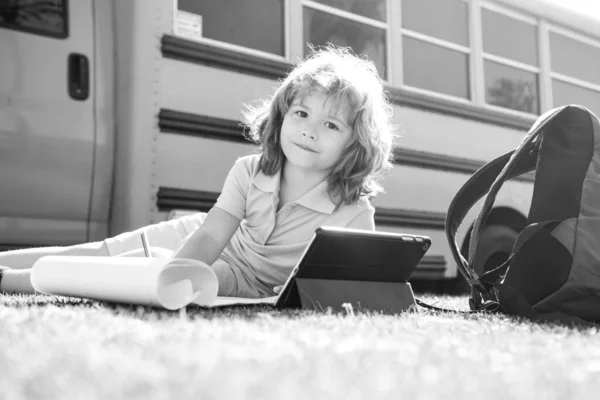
pixel 250 159
pixel 248 164
pixel 359 215
pixel 363 204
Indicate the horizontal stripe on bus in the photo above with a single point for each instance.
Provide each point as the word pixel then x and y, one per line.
pixel 205 54
pixel 171 121
pixel 184 199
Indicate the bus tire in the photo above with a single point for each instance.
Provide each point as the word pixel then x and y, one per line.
pixel 494 246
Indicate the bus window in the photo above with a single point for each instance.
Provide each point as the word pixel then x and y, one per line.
pixel 429 37
pixel 574 63
pixel 450 21
pixel 257 24
pixel 423 69
pixel 511 87
pixel 508 37
pixel 566 93
pixel 374 9
pixel 42 17
pixel 323 24
pixel 575 58
pixel 511 65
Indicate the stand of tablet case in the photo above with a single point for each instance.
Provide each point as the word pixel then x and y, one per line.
pixel 365 269
pixel 324 294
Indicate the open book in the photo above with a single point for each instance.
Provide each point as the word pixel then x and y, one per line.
pixel 166 283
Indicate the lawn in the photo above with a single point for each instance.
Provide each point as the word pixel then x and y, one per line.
pixel 59 348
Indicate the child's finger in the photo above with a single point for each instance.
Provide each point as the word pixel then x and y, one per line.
pixel 277 289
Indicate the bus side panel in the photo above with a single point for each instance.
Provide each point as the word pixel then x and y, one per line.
pixel 46 136
pixel 105 123
pixel 453 136
pixel 210 91
pixel 139 25
pixel 192 163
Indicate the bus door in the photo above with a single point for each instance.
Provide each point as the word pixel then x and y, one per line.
pixel 46 121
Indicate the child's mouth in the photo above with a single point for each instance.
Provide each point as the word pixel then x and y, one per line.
pixel 305 148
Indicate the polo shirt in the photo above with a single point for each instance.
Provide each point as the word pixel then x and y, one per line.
pixel 267 245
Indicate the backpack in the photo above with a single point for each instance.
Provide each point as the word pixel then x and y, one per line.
pixel 553 272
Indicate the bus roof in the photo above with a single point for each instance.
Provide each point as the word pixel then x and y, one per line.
pixel 557 14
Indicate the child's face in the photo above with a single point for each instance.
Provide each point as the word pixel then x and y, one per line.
pixel 314 132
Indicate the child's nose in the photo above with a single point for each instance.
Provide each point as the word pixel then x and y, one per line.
pixel 309 134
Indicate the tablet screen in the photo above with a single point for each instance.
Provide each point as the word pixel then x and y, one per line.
pixel 346 254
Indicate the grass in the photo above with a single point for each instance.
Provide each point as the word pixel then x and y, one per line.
pixel 60 348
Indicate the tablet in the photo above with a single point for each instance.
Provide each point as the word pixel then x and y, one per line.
pixel 343 254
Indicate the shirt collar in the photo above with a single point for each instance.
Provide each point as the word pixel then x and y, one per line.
pixel 317 199
pixel 267 183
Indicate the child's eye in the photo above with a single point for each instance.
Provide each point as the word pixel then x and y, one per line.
pixel 301 114
pixel 331 125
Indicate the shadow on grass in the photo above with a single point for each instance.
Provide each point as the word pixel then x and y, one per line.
pixel 259 312
pixel 38 300
pixel 248 312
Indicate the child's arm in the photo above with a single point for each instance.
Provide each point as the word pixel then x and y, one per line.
pixel 208 241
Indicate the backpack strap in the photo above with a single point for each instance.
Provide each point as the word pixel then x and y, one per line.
pixel 491 307
pixel 488 180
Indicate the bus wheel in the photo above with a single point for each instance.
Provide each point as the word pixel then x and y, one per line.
pixel 493 248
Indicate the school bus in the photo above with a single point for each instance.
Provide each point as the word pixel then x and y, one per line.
pixel 115 114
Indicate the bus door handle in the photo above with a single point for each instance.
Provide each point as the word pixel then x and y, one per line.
pixel 78 76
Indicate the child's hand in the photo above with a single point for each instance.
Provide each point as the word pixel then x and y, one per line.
pixel 277 289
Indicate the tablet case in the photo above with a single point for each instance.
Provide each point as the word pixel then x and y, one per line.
pixel 365 269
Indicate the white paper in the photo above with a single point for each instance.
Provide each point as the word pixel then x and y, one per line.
pixel 166 283
pixel 231 301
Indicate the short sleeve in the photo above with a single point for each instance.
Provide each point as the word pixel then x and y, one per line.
pixel 235 189
pixel 364 220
